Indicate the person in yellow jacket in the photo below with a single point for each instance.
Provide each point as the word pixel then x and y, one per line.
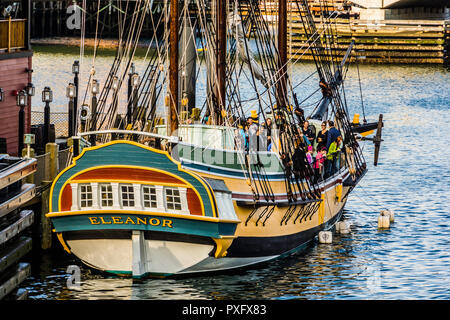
pixel 332 156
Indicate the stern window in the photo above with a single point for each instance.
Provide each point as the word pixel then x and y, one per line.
pixel 149 194
pixel 106 195
pixel 173 199
pixel 127 192
pixel 85 196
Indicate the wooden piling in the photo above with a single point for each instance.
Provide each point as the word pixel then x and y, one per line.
pixel 53 149
pixel 46 226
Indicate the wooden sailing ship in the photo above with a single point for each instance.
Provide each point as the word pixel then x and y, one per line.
pixel 186 193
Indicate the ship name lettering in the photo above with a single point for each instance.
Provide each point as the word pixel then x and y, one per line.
pixel 129 220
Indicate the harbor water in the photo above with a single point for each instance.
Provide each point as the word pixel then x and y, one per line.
pixel 411 260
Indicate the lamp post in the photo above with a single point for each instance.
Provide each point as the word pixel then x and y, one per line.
pixel 70 93
pixel 95 88
pixel 47 97
pixel 131 72
pixel 21 103
pixel 135 80
pixel 75 71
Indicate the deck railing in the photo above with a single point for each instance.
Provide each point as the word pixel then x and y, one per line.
pixel 12 34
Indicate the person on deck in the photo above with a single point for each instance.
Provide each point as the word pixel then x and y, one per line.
pixel 253 133
pixel 337 158
pixel 318 164
pixel 322 136
pixel 308 132
pixel 309 155
pixel 332 154
pixel 268 126
pixel 300 115
pixel 333 133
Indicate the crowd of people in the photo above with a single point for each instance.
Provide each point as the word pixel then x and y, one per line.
pixel 323 148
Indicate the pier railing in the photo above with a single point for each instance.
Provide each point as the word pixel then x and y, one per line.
pixel 12 34
pixel 59 119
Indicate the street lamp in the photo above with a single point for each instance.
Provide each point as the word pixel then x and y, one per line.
pixel 95 87
pixel 22 98
pixel 71 93
pixel 115 83
pixel 135 79
pixel 47 97
pixel 76 67
pixel 21 102
pixel 30 89
pixel 132 69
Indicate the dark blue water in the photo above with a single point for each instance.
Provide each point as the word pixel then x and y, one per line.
pixel 411 260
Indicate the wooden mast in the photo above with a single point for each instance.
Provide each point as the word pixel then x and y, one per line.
pixel 282 51
pixel 173 69
pixel 221 45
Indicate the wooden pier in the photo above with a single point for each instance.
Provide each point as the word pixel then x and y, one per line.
pixel 15 242
pixel 379 41
pixel 387 41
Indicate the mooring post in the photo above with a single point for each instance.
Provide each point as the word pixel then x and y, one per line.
pixel 32 154
pixel 53 149
pixel 46 227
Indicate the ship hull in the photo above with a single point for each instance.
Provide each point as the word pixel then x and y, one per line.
pixel 168 255
pixel 212 229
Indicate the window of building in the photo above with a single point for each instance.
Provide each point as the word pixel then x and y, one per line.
pixel 127 192
pixel 85 196
pixel 149 197
pixel 173 199
pixel 106 195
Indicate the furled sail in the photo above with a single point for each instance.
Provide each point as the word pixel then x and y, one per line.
pixel 245 53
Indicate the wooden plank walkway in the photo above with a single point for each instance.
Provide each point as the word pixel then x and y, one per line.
pixel 14 223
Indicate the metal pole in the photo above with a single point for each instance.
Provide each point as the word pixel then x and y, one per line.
pixel 93 119
pixel 46 123
pixel 75 104
pixel 129 100
pixel 71 117
pixel 21 129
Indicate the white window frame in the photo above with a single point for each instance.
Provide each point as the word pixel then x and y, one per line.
pixel 128 185
pixel 183 200
pixel 149 187
pixel 111 192
pixel 138 197
pixel 79 202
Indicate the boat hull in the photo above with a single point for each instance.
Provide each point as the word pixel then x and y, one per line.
pixel 164 255
pixel 215 228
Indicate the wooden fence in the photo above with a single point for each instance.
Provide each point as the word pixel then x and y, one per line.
pixel 12 34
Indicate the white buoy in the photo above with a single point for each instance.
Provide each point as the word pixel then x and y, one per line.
pixel 325 237
pixel 389 213
pixel 342 227
pixel 384 220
